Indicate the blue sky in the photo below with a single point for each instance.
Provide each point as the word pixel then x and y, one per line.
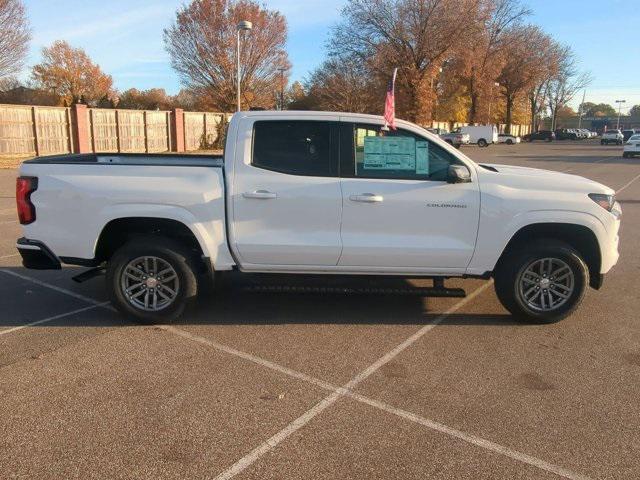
pixel 125 37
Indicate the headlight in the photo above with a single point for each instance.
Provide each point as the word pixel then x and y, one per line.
pixel 605 201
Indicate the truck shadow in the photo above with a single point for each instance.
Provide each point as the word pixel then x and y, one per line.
pixel 232 304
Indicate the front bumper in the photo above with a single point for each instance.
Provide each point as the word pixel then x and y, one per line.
pixel 36 255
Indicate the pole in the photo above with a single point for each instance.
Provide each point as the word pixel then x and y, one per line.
pixel 584 94
pixel 619 102
pixel 238 72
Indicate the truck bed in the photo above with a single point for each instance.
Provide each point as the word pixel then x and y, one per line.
pixel 153 159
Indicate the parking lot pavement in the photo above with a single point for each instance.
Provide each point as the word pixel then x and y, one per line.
pixel 264 385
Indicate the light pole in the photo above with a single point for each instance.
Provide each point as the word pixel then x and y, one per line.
pixel 435 97
pixel 619 102
pixel 495 84
pixel 282 70
pixel 243 25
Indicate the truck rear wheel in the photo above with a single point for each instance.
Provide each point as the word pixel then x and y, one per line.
pixel 152 279
pixel 541 282
pixel 482 142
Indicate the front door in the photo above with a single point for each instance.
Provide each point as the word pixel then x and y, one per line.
pixel 399 211
pixel 287 203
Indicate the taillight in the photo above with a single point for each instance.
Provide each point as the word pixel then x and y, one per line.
pixel 25 186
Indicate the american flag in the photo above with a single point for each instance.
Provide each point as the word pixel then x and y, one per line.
pixel 390 103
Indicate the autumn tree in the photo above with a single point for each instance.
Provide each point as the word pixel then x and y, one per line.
pixel 590 109
pixel 152 99
pixel 524 65
pixel 202 47
pixel 563 86
pixel 416 36
pixel 343 84
pixel 480 62
pixel 69 73
pixel 14 37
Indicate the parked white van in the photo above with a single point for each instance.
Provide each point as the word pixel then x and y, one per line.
pixel 483 135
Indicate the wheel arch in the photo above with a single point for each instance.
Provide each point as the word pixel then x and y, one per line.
pixel 121 230
pixel 580 237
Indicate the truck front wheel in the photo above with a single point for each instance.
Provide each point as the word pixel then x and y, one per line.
pixel 541 282
pixel 152 279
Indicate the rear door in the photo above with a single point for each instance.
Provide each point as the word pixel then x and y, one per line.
pixel 286 199
pixel 399 211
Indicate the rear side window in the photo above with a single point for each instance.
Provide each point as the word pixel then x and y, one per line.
pixel 295 147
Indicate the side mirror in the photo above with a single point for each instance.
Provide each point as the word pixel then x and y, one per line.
pixel 458 174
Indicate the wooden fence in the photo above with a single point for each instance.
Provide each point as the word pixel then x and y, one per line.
pixel 201 129
pixel 26 130
pixel 37 130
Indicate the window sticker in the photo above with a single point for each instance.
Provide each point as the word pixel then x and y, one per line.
pixel 422 158
pixel 389 153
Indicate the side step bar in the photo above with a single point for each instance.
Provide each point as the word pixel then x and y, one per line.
pixel 438 290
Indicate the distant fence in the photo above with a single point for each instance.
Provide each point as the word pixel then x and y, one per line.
pixel 39 130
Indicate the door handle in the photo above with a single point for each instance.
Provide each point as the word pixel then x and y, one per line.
pixel 260 194
pixel 366 198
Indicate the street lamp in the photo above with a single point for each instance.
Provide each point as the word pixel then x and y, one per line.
pixel 495 84
pixel 619 102
pixel 282 70
pixel 243 25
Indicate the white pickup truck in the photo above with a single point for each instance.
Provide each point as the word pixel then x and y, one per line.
pixel 318 193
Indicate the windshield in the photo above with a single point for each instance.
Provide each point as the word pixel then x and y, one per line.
pixel 635 138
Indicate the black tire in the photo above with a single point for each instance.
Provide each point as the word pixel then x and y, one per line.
pixel 512 266
pixel 176 255
pixel 625 155
pixel 482 142
pixel 602 142
pixel 509 141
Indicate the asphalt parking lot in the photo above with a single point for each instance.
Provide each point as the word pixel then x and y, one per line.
pixel 260 386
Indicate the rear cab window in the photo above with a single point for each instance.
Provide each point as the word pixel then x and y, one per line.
pixel 294 147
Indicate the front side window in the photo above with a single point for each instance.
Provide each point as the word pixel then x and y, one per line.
pixel 398 154
pixel 294 147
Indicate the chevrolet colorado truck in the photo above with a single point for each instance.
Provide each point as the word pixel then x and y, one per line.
pixel 317 193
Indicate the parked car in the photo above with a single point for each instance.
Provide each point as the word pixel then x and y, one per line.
pixel 482 135
pixel 547 135
pixel 508 139
pixel 632 147
pixel 317 193
pixel 566 134
pixel 612 136
pixel 627 134
pixel 456 139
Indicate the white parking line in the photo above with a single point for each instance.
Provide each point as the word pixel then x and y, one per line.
pixel 337 392
pixel 56 288
pixel 628 184
pixel 5 222
pixel 50 319
pixel 9 256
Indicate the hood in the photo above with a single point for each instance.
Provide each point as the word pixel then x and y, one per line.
pixel 538 179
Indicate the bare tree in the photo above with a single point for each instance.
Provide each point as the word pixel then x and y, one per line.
pixel 563 86
pixel 69 73
pixel 14 37
pixel 202 46
pixel 416 36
